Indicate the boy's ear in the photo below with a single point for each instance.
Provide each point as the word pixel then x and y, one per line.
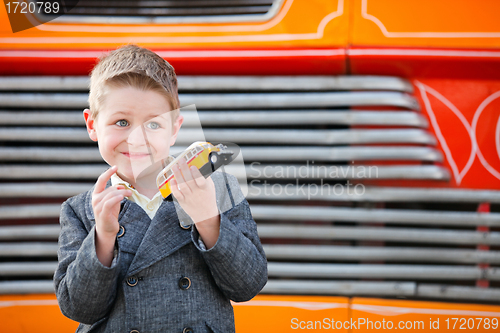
pixel 175 129
pixel 90 122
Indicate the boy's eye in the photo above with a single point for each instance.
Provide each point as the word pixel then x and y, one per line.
pixel 153 125
pixel 122 123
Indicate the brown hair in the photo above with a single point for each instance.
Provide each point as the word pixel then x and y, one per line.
pixel 133 66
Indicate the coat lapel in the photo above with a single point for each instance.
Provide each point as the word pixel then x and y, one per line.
pixel 163 237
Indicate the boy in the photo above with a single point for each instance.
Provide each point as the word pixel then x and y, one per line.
pixel 126 263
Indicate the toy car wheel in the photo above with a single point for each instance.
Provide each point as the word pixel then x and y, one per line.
pixel 214 158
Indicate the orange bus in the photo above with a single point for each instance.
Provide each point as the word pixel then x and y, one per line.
pixel 370 131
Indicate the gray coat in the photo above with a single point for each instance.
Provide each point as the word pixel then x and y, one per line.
pixel 161 280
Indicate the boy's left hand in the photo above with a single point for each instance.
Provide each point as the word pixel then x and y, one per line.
pixel 196 195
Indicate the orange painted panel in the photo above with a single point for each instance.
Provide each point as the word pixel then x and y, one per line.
pixel 284 313
pixel 272 313
pixel 299 23
pixel 33 313
pixel 426 23
pixel 465 118
pixel 264 313
pixel 383 315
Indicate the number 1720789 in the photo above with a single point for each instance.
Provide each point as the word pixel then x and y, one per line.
pixel 471 323
pixel 32 7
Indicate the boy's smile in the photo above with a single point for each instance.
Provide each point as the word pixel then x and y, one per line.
pixel 134 131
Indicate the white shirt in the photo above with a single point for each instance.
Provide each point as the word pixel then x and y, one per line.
pixel 150 206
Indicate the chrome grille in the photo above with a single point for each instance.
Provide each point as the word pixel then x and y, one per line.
pixel 388 241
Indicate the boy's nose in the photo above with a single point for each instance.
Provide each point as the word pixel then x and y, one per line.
pixel 137 137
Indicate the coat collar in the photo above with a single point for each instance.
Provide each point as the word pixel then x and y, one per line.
pixel 163 237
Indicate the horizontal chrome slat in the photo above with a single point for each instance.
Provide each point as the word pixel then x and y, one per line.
pixel 306 171
pixel 286 213
pixel 367 253
pixel 297 213
pixel 297 100
pixel 458 292
pixel 365 215
pixel 313 137
pixel 380 271
pixel 44 100
pixel 40 190
pixel 304 153
pixel 44 83
pixel 242 136
pixel 370 194
pixel 28 249
pixel 265 192
pixel 37 118
pixel 229 101
pixel 249 153
pixel 380 234
pixel 348 288
pixel 27 287
pixel 391 289
pixel 77 171
pixel 276 269
pixel 50 154
pixel 214 83
pixel 309 117
pixel 253 171
pixel 295 83
pixel 238 118
pixel 32 232
pixel 44 134
pixel 307 252
pixel 9 269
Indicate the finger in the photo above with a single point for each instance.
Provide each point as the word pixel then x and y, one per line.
pixel 97 197
pixel 100 185
pixel 179 179
pixel 112 201
pixel 109 193
pixel 102 208
pixel 118 187
pixel 178 174
pixel 175 191
pixel 198 177
pixel 185 170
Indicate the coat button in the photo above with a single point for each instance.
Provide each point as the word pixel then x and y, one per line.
pixel 187 330
pixel 121 232
pixel 132 280
pixel 184 283
pixel 183 225
pixel 134 331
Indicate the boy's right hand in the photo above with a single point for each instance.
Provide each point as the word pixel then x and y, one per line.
pixel 106 205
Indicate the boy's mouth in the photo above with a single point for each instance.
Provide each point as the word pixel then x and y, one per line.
pixel 135 155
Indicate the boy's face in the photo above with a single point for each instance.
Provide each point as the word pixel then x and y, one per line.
pixel 134 131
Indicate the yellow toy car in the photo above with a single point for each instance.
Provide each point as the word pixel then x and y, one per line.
pixel 205 156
